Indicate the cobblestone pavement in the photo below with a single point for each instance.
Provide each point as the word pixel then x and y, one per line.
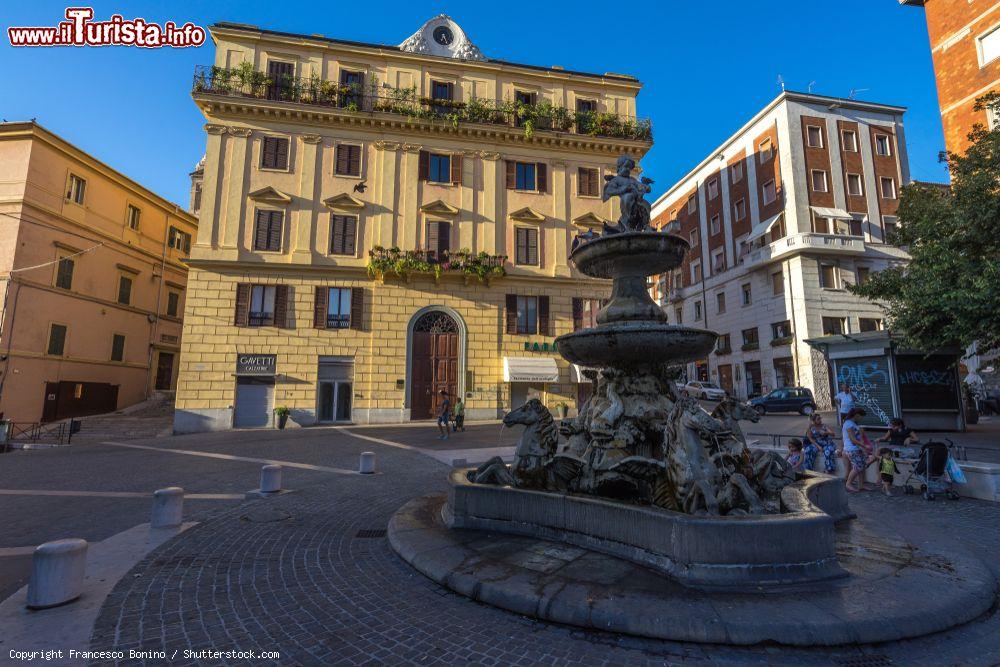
pixel 311 576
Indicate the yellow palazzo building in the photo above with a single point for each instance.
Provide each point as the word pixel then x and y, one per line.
pixel 379 223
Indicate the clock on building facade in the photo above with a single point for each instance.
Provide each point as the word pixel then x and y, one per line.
pixel 441 36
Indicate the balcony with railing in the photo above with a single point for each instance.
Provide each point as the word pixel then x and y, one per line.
pixel 402 263
pixel 806 241
pixel 246 82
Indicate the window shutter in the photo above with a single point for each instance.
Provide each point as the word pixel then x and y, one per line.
pixel 511 313
pixel 423 165
pixel 582 181
pixel 281 306
pixel 577 313
pixel 456 168
pixel 281 153
pixel 354 160
pixel 343 159
pixel 451 90
pixel 541 177
pixel 337 234
pixel 242 315
pixel 521 245
pixel 320 303
pixel 268 154
pixel 357 307
pixel 432 236
pixel 443 245
pixel 274 231
pixel 350 234
pixel 511 174
pixel 544 322
pixel 532 245
pixel 260 231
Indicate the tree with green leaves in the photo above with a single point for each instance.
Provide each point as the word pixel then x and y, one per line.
pixel 948 294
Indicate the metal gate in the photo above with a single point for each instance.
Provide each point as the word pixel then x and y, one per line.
pixel 254 402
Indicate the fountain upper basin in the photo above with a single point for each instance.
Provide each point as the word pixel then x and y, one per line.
pixel 636 343
pixel 630 253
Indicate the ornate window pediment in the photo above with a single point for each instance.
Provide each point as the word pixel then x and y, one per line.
pixel 270 196
pixel 438 207
pixel 589 221
pixel 527 214
pixel 344 200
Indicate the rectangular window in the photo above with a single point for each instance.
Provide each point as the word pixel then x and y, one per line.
pixel 587 182
pixel 695 241
pixel 338 308
pixel 747 294
pixel 132 214
pixel 57 340
pixel 869 324
pixel 124 290
pixel 692 203
pixel 819 180
pixel 715 225
pixel 750 337
pixel 882 145
pixel 354 82
pixel 736 172
pixel 179 240
pixel 724 344
pixel 274 153
pixel 526 246
pixel 765 150
pixel 267 234
pixel 527 314
pixel 713 188
pixel 855 225
pixel 696 272
pixel 770 194
pixel 833 326
pixel 989 47
pixel 77 189
pixel 438 239
pixel 343 234
pixel 439 168
pixel 814 135
pixel 781 329
pixel 718 261
pixel 828 276
pixel 778 283
pixel 888 187
pixel 697 311
pixel 442 90
pixel 850 141
pixel 740 209
pixel 525 176
pixel 863 273
pixel 679 316
pixel 720 302
pixel 64 273
pixel 889 224
pixel 855 185
pixel 585 313
pixel 117 347
pixel 348 162
pixel 261 306
pixel 173 303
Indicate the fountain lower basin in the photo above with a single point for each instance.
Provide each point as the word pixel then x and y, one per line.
pixel 636 343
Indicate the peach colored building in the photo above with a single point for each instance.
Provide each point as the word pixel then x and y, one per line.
pixel 92 281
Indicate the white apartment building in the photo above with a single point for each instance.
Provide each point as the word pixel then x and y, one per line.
pixel 781 217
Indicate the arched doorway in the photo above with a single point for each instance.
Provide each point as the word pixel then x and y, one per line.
pixel 435 353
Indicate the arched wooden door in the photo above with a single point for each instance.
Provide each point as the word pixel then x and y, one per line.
pixel 434 363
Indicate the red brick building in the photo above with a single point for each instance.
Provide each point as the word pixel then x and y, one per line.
pixel 965 45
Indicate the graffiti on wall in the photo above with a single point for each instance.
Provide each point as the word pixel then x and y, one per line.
pixel 867 380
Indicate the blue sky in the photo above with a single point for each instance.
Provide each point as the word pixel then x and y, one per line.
pixel 707 68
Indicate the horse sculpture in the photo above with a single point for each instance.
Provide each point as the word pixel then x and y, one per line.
pixel 535 450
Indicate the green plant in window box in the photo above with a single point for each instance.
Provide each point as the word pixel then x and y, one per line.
pixel 746 347
pixel 784 340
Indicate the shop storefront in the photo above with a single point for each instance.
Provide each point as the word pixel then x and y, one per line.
pixel 527 378
pixel 254 403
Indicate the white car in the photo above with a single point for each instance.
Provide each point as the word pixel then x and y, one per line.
pixel 707 391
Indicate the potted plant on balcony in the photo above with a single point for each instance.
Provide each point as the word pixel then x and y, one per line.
pixel 282 413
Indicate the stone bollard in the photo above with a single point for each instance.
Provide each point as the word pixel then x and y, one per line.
pixel 270 479
pixel 367 466
pixel 57 573
pixel 168 507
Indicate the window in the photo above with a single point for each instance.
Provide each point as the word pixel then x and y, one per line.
pixel 819 180
pixel 585 313
pixel 679 316
pixel 720 302
pixel 814 136
pixel 442 90
pixel 354 82
pixel 696 271
pixel 267 234
pixel 526 246
pixel 692 203
pixel 587 182
pixel 179 240
pixel 525 176
pixel 64 273
pixel 196 204
pixel 736 172
pixel 715 225
pixel 855 225
pixel 724 345
pixel 526 98
pixel 695 241
pixel 992 118
pixel 343 234
pixel 261 305
pixel 863 274
pixel 750 340
pixel 769 192
pixel 889 224
pixel 989 47
pixel 77 189
pixel 740 209
pixel 439 168
pixel 888 187
pixel 882 146
pixel 713 188
pixel 777 283
pixel 125 289
pixel 697 311
pixel 746 294
pixel 718 261
pixel 274 153
pixel 527 314
pixel 132 214
pixel 869 324
pixel 338 308
pixel 438 238
pixel 781 329
pixel 117 347
pixel 348 162
pixel 766 151
pixel 833 326
pixel 854 185
pixel 850 141
pixel 57 340
pixel 828 276
pixel 173 303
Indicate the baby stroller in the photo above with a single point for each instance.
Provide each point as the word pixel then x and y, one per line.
pixel 929 470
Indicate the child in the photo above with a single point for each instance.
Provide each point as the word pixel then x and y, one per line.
pixel 795 458
pixel 887 468
pixel 459 414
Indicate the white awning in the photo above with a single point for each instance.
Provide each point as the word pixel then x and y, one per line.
pixel 530 369
pixel 835 213
pixel 576 373
pixel 763 227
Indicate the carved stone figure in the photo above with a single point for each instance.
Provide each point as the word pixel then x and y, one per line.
pixel 631 192
pixel 535 449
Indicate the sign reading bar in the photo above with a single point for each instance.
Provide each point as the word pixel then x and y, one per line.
pixel 256 364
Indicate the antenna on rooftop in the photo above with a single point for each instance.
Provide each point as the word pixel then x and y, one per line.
pixel 810 87
pixel 855 91
pixel 781 82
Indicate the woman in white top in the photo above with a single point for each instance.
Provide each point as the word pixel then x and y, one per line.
pixel 854 448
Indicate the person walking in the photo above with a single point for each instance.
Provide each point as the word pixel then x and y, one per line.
pixel 821 439
pixel 459 414
pixel 854 449
pixel 844 400
pixel 444 413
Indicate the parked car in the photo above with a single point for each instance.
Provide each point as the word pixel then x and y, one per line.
pixel 707 391
pixel 786 399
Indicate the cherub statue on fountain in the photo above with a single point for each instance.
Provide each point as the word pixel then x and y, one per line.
pixel 631 192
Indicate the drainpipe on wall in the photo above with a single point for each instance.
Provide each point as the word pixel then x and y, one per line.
pixel 155 318
pixel 787 275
